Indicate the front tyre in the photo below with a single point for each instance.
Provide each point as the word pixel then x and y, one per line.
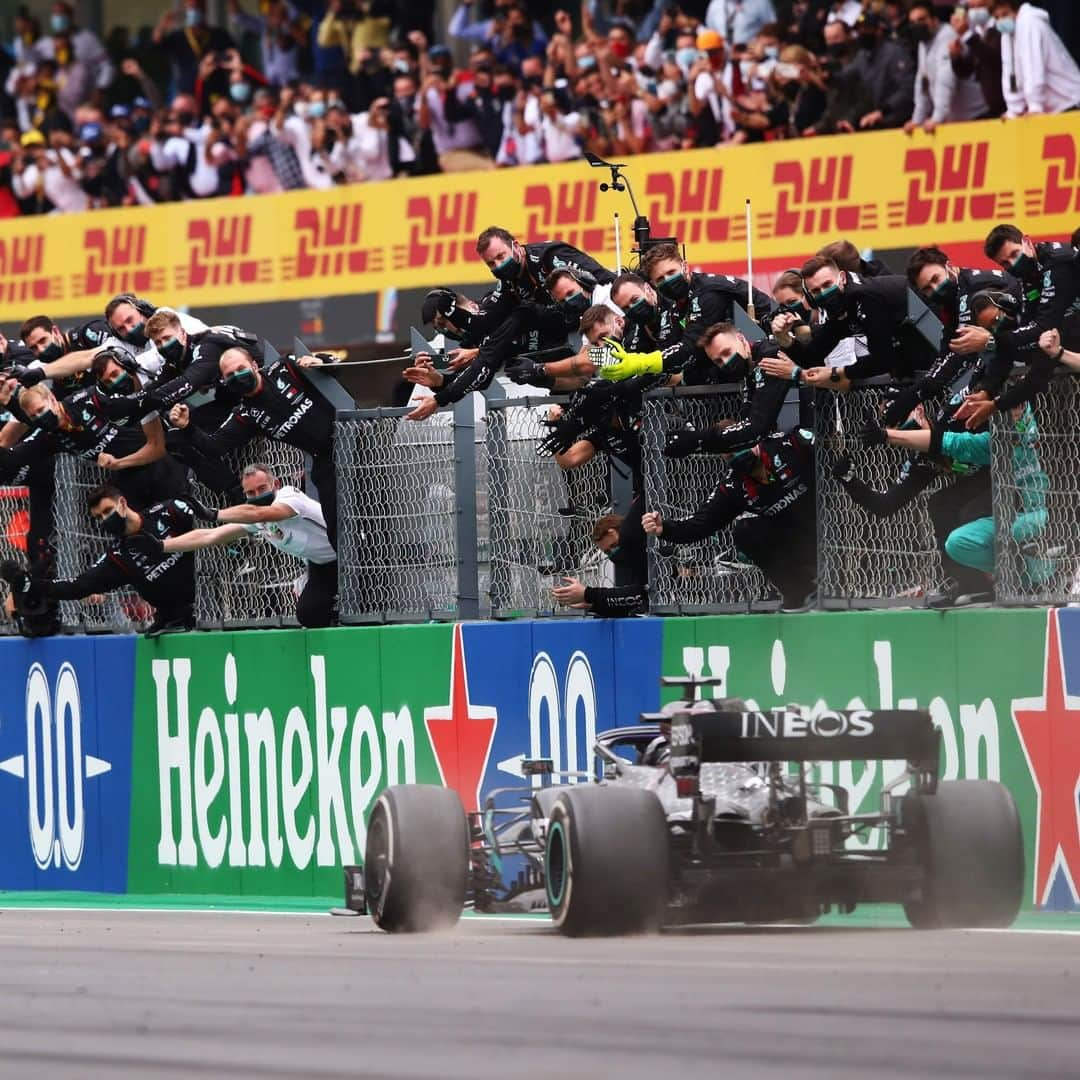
pixel 606 861
pixel 416 861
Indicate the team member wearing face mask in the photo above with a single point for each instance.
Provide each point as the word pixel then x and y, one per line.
pixel 167 581
pixel 763 394
pixel 1038 73
pixel 278 402
pixel 126 315
pixel 64 356
pixel 651 323
pixel 93 426
pixel 697 301
pixel 774 483
pixel 287 519
pixel 947 290
pixel 872 314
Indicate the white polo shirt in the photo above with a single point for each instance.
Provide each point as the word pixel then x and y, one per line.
pixel 303 535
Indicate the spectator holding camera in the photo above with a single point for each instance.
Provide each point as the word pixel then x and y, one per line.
pixel 185 38
pixel 47 177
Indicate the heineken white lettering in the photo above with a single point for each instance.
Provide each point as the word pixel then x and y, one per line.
pixel 242 789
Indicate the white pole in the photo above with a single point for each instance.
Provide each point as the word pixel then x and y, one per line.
pixel 618 245
pixel 750 262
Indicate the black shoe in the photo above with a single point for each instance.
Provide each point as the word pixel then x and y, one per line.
pixel 968 599
pixel 172 626
pixel 942 598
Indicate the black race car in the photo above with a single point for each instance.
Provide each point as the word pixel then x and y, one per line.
pixel 694 816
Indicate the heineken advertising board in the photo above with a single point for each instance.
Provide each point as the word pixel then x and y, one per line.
pixel 247 763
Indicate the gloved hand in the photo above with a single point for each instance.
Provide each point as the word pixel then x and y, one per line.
pixel 564 433
pixel 898 402
pixel 201 510
pixel 682 442
pixel 843 468
pixel 627 365
pixel 524 370
pixel 14 575
pixel 30 376
pixel 872 435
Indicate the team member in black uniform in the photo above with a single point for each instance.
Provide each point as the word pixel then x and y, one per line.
pixel 165 580
pixel 773 481
pixel 280 403
pixel 64 356
pixel 763 394
pixel 530 317
pixel 693 302
pixel 89 424
pixel 947 290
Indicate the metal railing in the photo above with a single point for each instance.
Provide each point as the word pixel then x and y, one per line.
pixel 460 517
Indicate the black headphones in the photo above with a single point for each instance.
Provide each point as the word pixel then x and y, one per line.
pixel 1008 303
pixel 143 307
pixel 123 358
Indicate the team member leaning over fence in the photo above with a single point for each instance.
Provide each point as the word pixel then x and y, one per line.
pixel 284 517
pixel 167 581
pixel 622 540
pixel 280 403
pixel 972 543
pixel 773 482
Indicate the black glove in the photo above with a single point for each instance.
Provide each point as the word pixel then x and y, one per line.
pixel 843 468
pixel 873 434
pixel 682 442
pixel 524 370
pixel 201 510
pixel 147 543
pixel 898 402
pixel 564 433
pixel 30 376
pixel 14 575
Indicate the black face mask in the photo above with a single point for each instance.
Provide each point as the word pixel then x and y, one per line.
pixel 122 384
pixel 945 293
pixel 243 381
pixel 743 462
pixel 265 499
pixel 674 287
pixel 114 523
pixel 919 32
pixel 51 352
pixel 838 50
pixel 172 351
pixel 831 302
pixel 794 307
pixel 641 311
pixel 507 93
pixel 47 421
pixel 738 367
pixel 575 305
pixel 1024 267
pixel 136 335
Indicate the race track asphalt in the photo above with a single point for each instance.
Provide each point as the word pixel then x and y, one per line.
pixel 166 994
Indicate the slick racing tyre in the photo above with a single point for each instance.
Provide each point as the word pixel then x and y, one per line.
pixel 416 862
pixel 606 861
pixel 973 855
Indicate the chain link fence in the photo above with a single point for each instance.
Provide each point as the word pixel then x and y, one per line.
pixel 250 583
pixel 866 560
pixel 707 576
pixel 541 515
pixel 14 535
pixel 398 510
pixel 1036 475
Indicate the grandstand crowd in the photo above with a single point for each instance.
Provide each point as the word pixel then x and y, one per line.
pixel 287 94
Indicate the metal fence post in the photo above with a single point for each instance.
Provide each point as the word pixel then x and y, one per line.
pixel 468 569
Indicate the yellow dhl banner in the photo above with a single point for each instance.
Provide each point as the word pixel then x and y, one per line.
pixel 882 190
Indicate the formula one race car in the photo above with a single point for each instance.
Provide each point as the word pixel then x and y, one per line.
pixel 694 817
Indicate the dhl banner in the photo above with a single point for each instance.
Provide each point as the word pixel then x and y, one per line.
pixel 883 190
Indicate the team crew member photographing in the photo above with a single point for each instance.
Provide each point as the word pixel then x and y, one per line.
pixel 285 517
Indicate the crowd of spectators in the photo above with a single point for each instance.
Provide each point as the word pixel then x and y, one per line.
pixel 313 93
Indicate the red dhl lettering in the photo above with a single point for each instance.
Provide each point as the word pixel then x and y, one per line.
pixel 21 261
pixel 565 212
pixel 219 253
pixel 115 263
pixel 441 230
pixel 815 197
pixel 1060 193
pixel 941 188
pixel 327 243
pixel 687 207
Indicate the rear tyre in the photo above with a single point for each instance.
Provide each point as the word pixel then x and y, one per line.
pixel 973 853
pixel 606 861
pixel 416 861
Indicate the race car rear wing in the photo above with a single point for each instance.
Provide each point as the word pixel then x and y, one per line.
pixel 791 733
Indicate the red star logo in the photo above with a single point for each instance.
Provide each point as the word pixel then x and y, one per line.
pixel 1049 730
pixel 461 733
